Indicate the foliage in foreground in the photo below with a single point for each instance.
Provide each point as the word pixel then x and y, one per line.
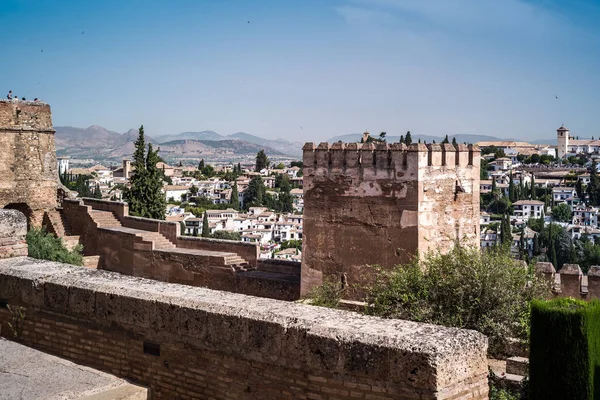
pixel 328 294
pixel 467 288
pixel 45 246
pixel 565 349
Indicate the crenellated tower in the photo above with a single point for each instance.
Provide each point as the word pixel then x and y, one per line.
pixel 28 166
pixel 380 204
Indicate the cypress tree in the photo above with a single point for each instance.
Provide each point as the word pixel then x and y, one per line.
pixel 156 203
pixel 239 168
pixel 408 139
pixel 145 195
pixel 454 142
pixel 532 194
pixel 262 161
pixel 445 140
pixel 205 227
pixel 235 199
pixel 536 245
pixel 201 165
pixel 522 247
pixel 512 192
pixel 401 138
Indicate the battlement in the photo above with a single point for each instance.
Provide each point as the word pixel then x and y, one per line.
pixel 18 115
pixel 339 156
pixel 570 281
pixel 389 199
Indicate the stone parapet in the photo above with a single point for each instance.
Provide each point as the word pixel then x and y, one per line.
pixel 25 116
pixel 570 281
pixel 225 345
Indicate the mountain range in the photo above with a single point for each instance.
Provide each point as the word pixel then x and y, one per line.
pixel 98 142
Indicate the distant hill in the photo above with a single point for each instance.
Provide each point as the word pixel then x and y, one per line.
pixel 460 138
pixel 204 135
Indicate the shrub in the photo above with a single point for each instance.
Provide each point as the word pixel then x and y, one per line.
pixel 465 288
pixel 328 294
pixel 227 235
pixel 565 349
pixel 46 246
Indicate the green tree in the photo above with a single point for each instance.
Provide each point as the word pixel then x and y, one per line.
pixel 454 142
pixel 532 192
pixel 593 188
pixel 145 196
pixel 561 213
pixel 401 138
pixel 235 197
pixel 262 161
pixel 465 288
pixel 579 189
pixel 201 165
pixel 536 245
pixel 227 235
pixel 205 227
pixel 45 246
pixel 512 191
pixel 254 193
pixel 280 166
pixel 408 139
pixel 446 140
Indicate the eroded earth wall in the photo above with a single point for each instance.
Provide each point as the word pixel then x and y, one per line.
pixel 28 168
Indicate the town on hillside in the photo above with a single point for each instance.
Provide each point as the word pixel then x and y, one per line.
pixel 543 200
pixel 259 203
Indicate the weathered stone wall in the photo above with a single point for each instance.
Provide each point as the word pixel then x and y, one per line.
pixel 570 281
pixel 28 168
pixel 211 344
pixel 13 228
pixel 248 251
pixel 380 204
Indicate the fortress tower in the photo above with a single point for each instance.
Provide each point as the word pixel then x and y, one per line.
pixel 562 135
pixel 28 166
pixel 380 204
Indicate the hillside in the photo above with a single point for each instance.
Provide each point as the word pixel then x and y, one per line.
pixel 460 138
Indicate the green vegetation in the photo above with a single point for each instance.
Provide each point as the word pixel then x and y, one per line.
pixel 328 294
pixel 226 235
pixel 466 288
pixel 235 197
pixel 45 246
pixel 292 244
pixel 205 227
pixel 565 349
pixel 145 196
pixel 262 161
pixel 562 212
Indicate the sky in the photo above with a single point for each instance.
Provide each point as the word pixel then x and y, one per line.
pixel 308 70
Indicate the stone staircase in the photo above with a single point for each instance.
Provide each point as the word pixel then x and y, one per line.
pixel 160 242
pixel 237 263
pixel 62 228
pixel 104 219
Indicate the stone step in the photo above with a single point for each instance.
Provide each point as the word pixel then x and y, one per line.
pixel 517 366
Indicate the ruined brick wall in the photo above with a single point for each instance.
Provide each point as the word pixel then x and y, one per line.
pixel 380 204
pixel 13 228
pixel 211 344
pixel 28 168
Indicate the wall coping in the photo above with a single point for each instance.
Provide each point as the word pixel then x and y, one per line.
pixel 211 240
pixel 424 357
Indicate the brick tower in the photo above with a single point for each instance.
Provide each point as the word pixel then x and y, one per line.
pixel 380 204
pixel 28 166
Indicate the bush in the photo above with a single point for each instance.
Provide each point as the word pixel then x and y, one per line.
pixel 328 294
pixel 466 288
pixel 565 349
pixel 45 246
pixel 227 235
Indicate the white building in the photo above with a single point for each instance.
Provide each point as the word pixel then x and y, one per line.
pixel 63 164
pixel 561 194
pixel 525 209
pixel 177 193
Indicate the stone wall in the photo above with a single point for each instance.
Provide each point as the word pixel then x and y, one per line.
pixel 570 281
pixel 367 204
pixel 28 168
pixel 248 251
pixel 187 341
pixel 13 228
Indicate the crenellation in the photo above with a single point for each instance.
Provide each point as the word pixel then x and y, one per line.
pixel 416 197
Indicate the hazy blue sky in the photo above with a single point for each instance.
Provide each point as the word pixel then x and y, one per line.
pixel 309 69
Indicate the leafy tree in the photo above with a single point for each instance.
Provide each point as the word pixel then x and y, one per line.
pixel 262 161
pixel 145 195
pixel 45 246
pixel 408 139
pixel 291 244
pixel 193 190
pixel 465 288
pixel 255 192
pixel 205 227
pixel 561 212
pixel 235 197
pixel 280 166
pixel 208 171
pixel 298 164
pixel 227 235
